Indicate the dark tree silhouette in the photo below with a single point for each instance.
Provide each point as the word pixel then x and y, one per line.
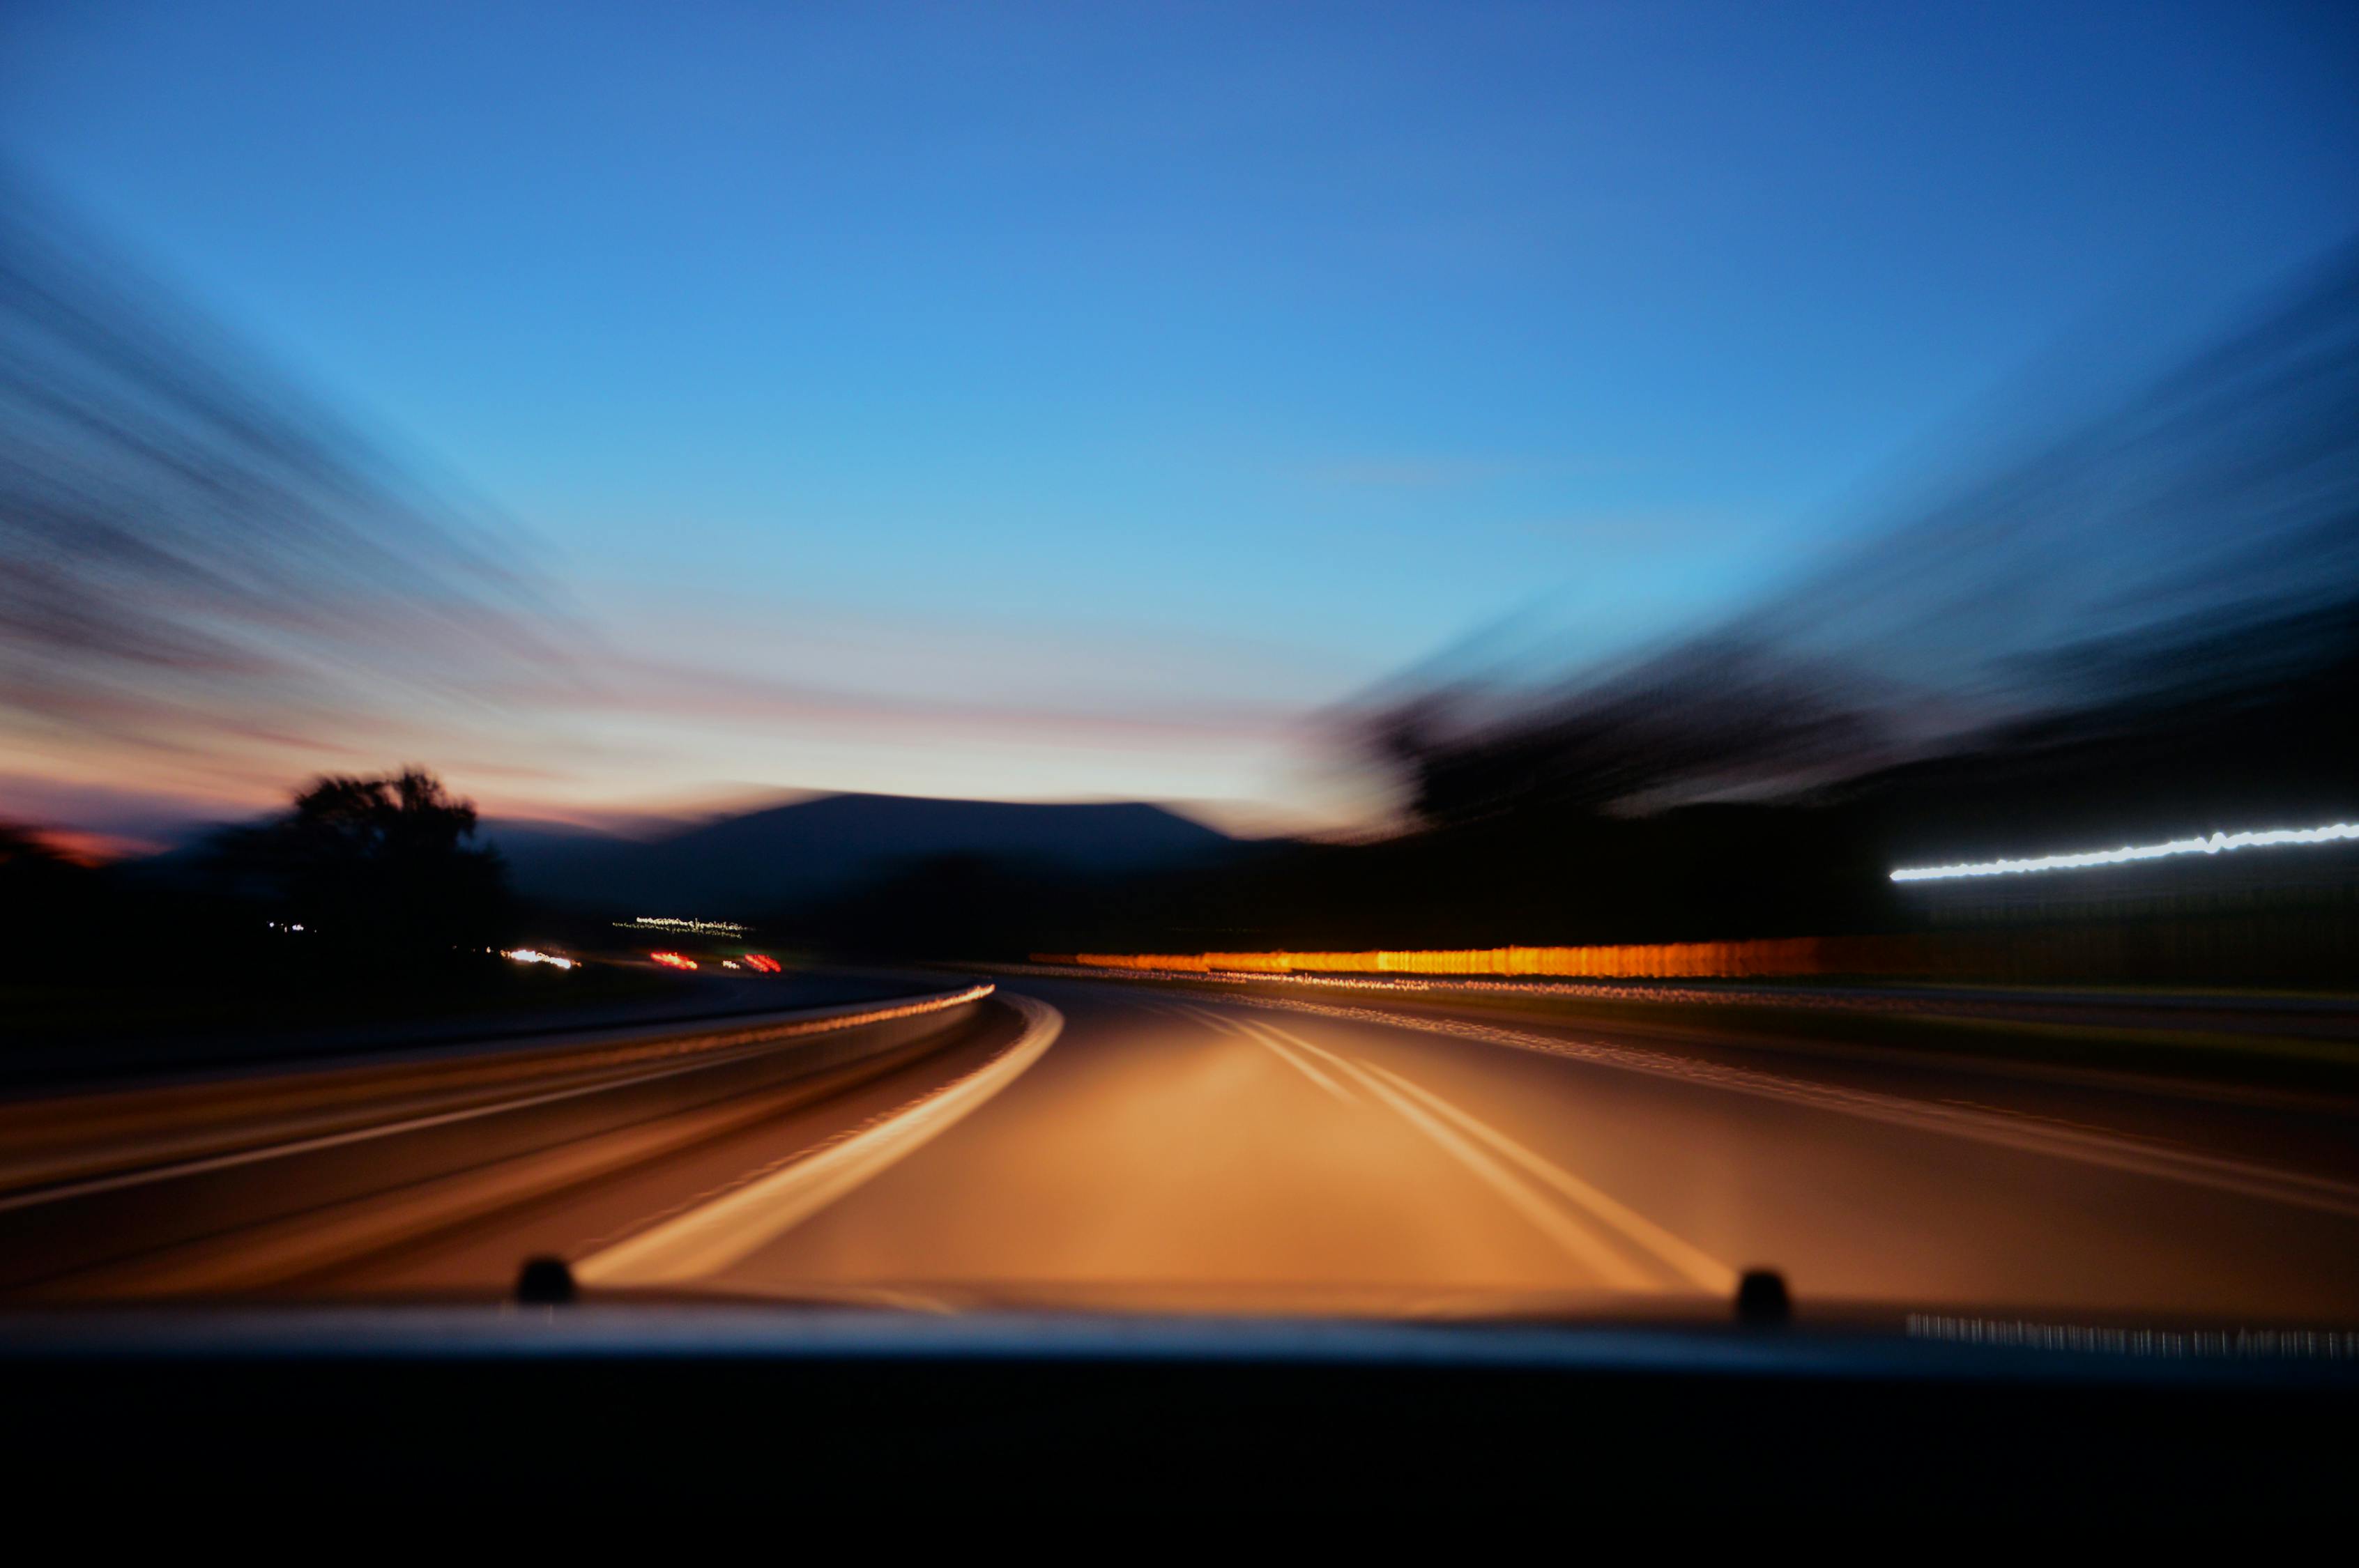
pixel 377 868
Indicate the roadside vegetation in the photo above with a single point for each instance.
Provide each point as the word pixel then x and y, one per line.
pixel 364 902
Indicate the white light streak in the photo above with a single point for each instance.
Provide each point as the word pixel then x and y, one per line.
pixel 534 956
pixel 2218 843
pixel 672 923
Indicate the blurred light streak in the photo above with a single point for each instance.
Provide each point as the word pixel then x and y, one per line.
pixel 2218 843
pixel 673 960
pixel 1792 956
pixel 669 923
pixel 534 956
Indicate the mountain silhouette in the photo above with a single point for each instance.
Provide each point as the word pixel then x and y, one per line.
pixel 815 849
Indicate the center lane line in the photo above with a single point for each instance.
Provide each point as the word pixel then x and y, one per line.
pixel 1269 1040
pixel 1707 1272
pixel 1576 1240
pixel 1452 1128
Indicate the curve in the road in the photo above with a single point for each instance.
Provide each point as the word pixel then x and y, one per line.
pixel 717 1232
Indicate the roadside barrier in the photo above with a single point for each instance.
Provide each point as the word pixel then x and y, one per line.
pixel 2293 946
pixel 1662 960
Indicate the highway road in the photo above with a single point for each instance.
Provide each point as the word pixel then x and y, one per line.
pixel 1136 1146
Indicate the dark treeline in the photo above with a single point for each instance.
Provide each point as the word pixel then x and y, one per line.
pixel 377 871
pixel 367 892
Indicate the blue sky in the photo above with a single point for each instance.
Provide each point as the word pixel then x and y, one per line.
pixel 1076 396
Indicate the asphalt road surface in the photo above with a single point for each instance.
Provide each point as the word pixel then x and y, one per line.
pixel 1137 1146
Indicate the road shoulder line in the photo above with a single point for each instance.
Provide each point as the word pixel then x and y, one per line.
pixel 734 1225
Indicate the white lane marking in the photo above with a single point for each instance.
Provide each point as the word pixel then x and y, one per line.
pixel 2007 1129
pixel 1673 1251
pixel 1545 1215
pixel 1271 1038
pixel 419 1123
pixel 732 1228
pixel 1274 1040
pixel 1208 1019
pixel 1677 1252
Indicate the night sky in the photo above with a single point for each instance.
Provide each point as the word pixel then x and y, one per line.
pixel 1048 402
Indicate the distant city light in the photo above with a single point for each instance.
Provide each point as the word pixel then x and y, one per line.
pixel 670 923
pixel 534 956
pixel 2218 843
pixel 673 960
